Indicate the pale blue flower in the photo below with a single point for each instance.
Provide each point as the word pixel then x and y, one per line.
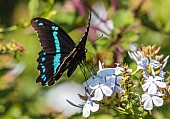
pixel 141 61
pixel 162 73
pixel 99 79
pixel 150 99
pixel 153 63
pixel 89 106
pixel 152 83
pixel 100 91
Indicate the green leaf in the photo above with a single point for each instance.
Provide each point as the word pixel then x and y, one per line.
pixel 130 37
pixel 123 19
pixel 33 7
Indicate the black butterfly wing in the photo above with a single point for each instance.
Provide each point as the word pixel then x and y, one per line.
pixel 79 52
pixel 52 38
pixel 59 51
pixel 48 65
pixel 56 45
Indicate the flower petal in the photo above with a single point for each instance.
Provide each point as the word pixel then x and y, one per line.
pixel 160 84
pixel 106 90
pixel 132 56
pixel 139 55
pixel 145 97
pixel 146 85
pixel 98 95
pixel 152 88
pixel 86 110
pixel 154 63
pixel 100 66
pixel 157 101
pixel 148 105
pixel 95 87
pixel 92 81
pixel 106 72
pixel 158 78
pixel 118 89
pixel 94 108
pixel 118 70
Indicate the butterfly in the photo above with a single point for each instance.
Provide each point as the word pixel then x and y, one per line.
pixel 59 52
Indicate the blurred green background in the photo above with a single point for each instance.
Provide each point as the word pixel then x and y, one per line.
pixel 135 23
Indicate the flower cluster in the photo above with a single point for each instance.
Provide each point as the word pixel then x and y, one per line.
pixel 152 72
pixel 103 84
pixel 106 82
pixel 115 87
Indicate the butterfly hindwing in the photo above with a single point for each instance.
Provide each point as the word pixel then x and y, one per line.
pixel 48 64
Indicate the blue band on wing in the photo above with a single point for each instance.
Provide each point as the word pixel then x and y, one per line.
pixel 56 57
pixel 56 60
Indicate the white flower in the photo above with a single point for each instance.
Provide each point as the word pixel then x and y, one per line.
pixel 141 62
pixel 150 99
pixel 162 73
pixel 97 85
pixel 100 91
pixel 152 84
pixel 89 106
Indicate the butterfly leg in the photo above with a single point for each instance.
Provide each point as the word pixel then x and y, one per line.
pixel 83 71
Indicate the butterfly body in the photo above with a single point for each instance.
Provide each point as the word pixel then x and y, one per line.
pixel 59 52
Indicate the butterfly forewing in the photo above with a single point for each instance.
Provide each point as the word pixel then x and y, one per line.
pixel 52 38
